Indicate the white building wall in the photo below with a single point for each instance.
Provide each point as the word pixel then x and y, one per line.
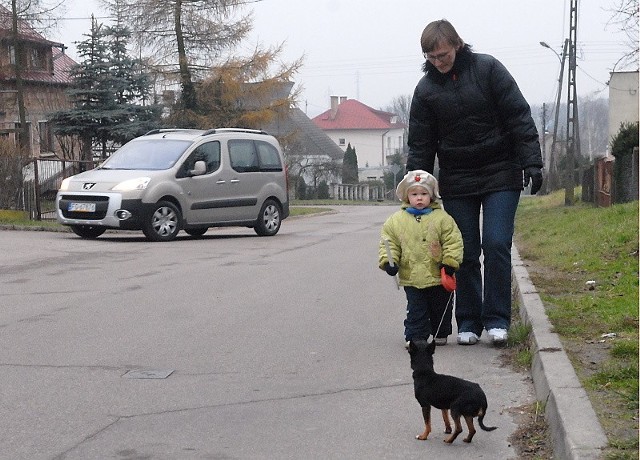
pixel 623 100
pixel 372 146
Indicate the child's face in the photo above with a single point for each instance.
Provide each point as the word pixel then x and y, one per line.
pixel 418 197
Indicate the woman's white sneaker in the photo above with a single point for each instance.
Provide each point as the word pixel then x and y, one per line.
pixel 467 338
pixel 498 336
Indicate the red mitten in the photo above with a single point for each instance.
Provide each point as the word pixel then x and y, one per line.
pixel 448 281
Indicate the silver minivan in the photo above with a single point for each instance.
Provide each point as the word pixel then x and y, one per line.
pixel 181 179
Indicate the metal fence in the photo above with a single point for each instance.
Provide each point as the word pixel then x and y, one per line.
pixel 42 179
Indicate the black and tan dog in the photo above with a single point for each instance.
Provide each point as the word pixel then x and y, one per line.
pixel 463 398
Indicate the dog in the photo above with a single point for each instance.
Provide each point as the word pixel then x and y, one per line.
pixel 447 393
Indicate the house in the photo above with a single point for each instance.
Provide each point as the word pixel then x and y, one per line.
pixel 623 100
pixel 375 135
pixel 310 154
pixel 45 78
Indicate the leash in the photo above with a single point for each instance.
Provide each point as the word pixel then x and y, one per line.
pixel 444 313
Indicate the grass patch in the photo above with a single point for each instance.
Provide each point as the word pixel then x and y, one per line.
pixel 584 262
pixel 8 215
pixel 305 210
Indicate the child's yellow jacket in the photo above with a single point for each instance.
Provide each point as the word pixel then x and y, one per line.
pixel 420 246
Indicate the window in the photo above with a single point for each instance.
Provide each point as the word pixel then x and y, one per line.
pixel 268 157
pixel 12 54
pixel 341 141
pixel 209 153
pixel 46 136
pixel 242 154
pixel 37 59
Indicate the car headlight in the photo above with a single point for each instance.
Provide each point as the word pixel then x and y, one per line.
pixel 139 183
pixel 65 184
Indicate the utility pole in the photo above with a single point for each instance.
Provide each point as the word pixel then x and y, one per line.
pixel 554 182
pixel 544 134
pixel 572 108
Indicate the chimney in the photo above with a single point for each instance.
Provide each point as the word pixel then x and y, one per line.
pixel 334 106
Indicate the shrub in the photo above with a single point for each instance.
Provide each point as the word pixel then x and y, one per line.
pixel 622 144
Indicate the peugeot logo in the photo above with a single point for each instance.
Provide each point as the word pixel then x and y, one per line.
pixel 88 185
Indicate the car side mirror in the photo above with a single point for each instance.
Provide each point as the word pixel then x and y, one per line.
pixel 199 168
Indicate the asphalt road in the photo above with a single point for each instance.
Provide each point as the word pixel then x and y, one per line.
pixel 230 346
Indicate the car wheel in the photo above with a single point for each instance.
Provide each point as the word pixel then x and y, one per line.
pixel 269 221
pixel 163 224
pixel 88 231
pixel 196 231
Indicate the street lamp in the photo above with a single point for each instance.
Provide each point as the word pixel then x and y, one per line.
pixel 552 160
pixel 546 45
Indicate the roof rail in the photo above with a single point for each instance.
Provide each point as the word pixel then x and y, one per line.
pixel 233 130
pixel 168 130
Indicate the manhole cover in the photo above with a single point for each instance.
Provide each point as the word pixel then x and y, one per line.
pixel 148 374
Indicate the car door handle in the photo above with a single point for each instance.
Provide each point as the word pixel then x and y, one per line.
pixel 221 181
pixel 233 181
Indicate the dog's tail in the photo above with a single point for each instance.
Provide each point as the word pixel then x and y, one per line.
pixel 485 428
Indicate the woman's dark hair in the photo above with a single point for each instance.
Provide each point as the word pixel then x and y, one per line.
pixel 437 33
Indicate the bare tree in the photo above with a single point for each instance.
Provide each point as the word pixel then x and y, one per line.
pixel 185 37
pixel 401 106
pixel 625 18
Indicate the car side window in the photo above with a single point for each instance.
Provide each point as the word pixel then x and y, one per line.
pixel 242 154
pixel 209 153
pixel 268 156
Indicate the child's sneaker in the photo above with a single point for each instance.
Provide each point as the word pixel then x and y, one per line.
pixel 441 341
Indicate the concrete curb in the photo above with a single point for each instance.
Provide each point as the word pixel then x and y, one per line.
pixel 573 423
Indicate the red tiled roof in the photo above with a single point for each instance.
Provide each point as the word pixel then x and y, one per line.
pixel 352 114
pixel 24 29
pixel 62 64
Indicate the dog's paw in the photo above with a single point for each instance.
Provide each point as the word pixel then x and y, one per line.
pixel 422 437
pixel 447 430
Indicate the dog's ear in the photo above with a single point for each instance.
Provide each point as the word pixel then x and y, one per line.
pixel 418 344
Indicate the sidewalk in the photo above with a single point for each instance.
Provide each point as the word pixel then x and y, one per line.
pixel 574 426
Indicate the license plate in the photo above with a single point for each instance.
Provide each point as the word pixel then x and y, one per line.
pixel 82 207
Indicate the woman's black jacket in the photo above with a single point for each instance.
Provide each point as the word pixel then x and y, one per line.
pixel 475 119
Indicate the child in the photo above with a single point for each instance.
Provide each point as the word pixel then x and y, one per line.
pixel 426 247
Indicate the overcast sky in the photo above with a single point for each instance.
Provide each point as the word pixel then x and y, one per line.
pixel 369 49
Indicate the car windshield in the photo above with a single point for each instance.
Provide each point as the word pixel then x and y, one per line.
pixel 147 154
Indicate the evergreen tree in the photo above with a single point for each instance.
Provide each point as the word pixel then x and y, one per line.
pixel 323 190
pixel 108 86
pixel 89 93
pixel 130 90
pixel 350 166
pixel 390 178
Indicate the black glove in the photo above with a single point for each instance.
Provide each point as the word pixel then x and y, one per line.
pixel 391 271
pixel 448 270
pixel 533 174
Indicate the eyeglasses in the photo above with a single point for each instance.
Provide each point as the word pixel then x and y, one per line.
pixel 438 57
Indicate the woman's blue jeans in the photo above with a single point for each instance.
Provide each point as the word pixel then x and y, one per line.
pixel 489 234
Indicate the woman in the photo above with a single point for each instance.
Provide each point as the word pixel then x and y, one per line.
pixel 468 111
